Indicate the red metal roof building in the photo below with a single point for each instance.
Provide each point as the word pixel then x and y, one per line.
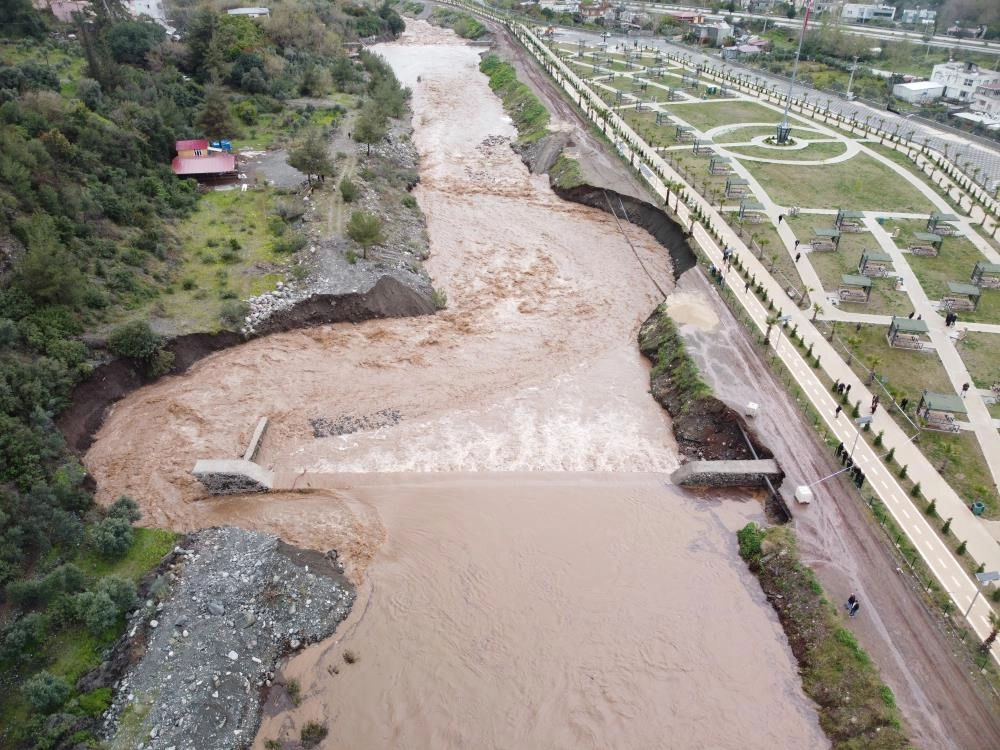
pixel 195 159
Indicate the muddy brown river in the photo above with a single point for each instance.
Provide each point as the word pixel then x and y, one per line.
pixel 527 575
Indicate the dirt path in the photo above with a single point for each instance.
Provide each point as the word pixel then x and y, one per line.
pixel 837 538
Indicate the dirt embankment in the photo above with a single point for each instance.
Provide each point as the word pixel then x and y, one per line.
pixel 705 428
pixel 91 399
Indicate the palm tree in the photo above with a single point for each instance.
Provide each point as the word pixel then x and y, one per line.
pixel 817 309
pixel 873 362
pixel 994 631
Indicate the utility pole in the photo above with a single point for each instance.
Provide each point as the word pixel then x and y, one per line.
pixel 784 129
pixel 850 83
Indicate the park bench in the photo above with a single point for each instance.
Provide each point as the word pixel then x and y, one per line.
pixel 851 227
pixel 907 341
pixel 957 303
pixel 989 282
pixel 852 295
pixel 822 245
pixel 923 250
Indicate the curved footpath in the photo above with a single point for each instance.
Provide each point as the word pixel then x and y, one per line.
pixel 939 558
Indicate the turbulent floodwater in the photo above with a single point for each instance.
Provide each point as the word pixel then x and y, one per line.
pixel 528 577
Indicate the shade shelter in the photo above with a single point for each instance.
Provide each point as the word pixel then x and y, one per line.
pixel 849 221
pixel 935 223
pixel 961 296
pixel 927 243
pixel 826 239
pixel 854 288
pixel 906 333
pixel 938 410
pixel 736 186
pixel 720 165
pixel 751 211
pixel 986 275
pixel 874 263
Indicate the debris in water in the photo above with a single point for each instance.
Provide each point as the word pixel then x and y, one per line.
pixel 345 424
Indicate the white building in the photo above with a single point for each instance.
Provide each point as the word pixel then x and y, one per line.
pixel 918 17
pixel 857 13
pixel 918 92
pixel 986 99
pixel 961 79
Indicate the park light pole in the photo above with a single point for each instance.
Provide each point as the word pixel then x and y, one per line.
pixel 850 82
pixel 861 422
pixel 806 490
pixel 989 575
pixel 784 129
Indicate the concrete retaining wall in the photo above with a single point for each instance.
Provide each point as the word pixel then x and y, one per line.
pixel 728 473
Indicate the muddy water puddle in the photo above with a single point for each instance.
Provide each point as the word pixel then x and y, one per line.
pixel 579 603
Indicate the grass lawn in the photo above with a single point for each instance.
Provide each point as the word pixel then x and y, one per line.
pixel 707 115
pixel 981 354
pixel 210 270
pixel 776 258
pixel 960 461
pixel 859 182
pixel 743 133
pixel 812 152
pixel 955 263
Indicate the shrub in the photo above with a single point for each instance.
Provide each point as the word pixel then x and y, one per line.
pixel 915 491
pixel 96 610
pixel 749 538
pixel 440 299
pixel 902 471
pixel 312 734
pixel 348 190
pixel 931 509
pixel 120 590
pixel 136 340
pixel 960 550
pixel 160 363
pixel 95 702
pixel 234 312
pixel 113 536
pixel 409 201
pixel 350 657
pixel 21 637
pixel 290 244
pixel 947 527
pixel 45 692
pixel 294 690
pixel 125 507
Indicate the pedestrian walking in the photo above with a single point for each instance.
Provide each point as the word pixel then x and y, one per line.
pixel 965 389
pixel 912 314
pixel 847 389
pixel 747 288
pixel 904 403
pixel 852 605
pixel 855 607
pixel 797 256
pixel 837 412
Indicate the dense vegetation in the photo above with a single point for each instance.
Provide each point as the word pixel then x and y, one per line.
pixel 89 114
pixel 530 116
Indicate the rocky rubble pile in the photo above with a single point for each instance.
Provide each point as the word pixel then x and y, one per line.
pixel 345 424
pixel 265 305
pixel 237 602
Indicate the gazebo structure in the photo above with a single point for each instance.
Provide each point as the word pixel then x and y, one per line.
pixel 927 243
pixel 938 410
pixel 751 211
pixel 854 288
pixel 720 165
pixel 961 296
pixel 849 221
pixel 874 263
pixel 826 239
pixel 736 186
pixel 905 333
pixel 934 222
pixel 986 275
pixel 684 133
pixel 702 146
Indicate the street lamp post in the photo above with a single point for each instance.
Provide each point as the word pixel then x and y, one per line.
pixel 850 81
pixel 990 575
pixel 784 129
pixel 860 422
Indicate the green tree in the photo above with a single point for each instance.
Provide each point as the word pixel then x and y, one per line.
pixel 135 340
pixel 371 126
pixel 46 692
pixel 19 18
pixel 365 229
pixel 96 610
pixel 215 119
pixel 113 536
pixel 47 272
pixel 311 155
pixel 130 41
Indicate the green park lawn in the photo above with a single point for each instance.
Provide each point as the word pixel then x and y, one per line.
pixel 707 115
pixel 859 182
pixel 980 352
pixel 812 152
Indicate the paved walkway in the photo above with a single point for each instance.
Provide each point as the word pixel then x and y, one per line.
pixel 939 558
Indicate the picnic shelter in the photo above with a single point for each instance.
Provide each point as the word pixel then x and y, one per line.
pixel 938 410
pixel 961 296
pixel 986 274
pixel 906 333
pixel 854 288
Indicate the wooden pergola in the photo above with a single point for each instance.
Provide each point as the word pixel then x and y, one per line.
pixel 928 243
pixel 935 220
pixel 938 410
pixel 751 211
pixel 874 263
pixel 906 333
pixel 736 186
pixel 848 220
pixel 826 239
pixel 986 275
pixel 962 296
pixel 854 288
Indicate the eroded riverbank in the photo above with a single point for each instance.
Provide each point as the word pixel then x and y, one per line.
pixel 594 608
